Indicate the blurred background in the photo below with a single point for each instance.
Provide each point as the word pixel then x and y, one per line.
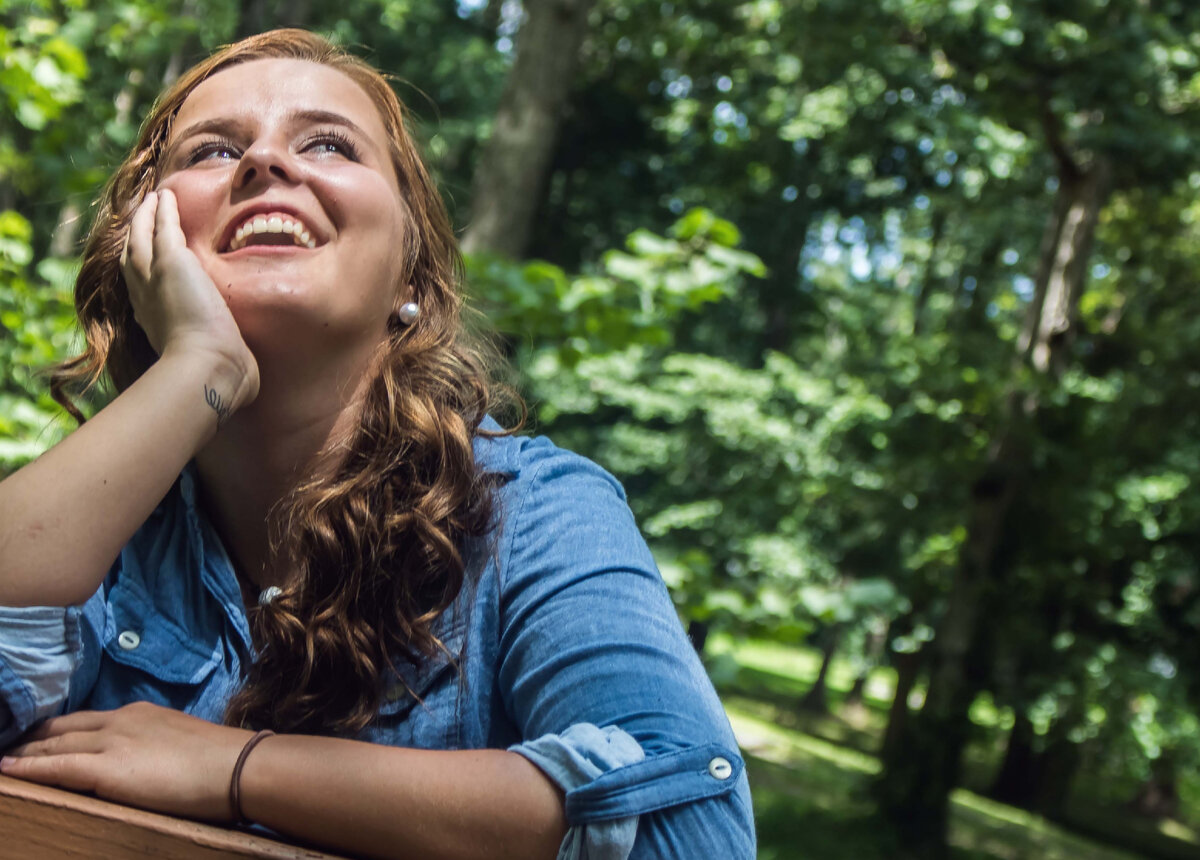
pixel 884 311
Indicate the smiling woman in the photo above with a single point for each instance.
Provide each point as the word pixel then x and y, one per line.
pixel 253 144
pixel 294 573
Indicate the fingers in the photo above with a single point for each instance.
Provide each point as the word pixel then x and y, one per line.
pixel 57 745
pixel 76 771
pixel 139 244
pixel 167 231
pixel 80 721
pixel 62 751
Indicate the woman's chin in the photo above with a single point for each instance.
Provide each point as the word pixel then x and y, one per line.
pixel 292 331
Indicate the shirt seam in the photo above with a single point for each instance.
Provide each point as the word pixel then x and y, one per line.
pixel 506 561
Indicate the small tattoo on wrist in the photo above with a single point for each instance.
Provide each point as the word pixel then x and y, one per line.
pixel 217 403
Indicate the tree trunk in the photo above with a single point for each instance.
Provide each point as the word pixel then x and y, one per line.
pixel 923 765
pixel 1158 796
pixel 492 15
pixel 190 49
pixel 64 241
pixel 1038 780
pixel 854 698
pixel 511 174
pixel 1056 767
pixel 65 238
pixel 816 699
pixel 258 16
pixel 926 285
pixel 872 651
pixel 778 295
pixel 1016 782
pixel 908 668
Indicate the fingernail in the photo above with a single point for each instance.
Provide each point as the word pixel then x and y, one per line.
pixel 5 761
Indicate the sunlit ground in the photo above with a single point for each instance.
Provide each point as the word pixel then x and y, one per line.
pixel 809 775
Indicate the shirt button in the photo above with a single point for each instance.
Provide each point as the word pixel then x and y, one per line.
pixel 720 768
pixel 129 640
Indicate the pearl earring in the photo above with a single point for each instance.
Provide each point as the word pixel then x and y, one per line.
pixel 408 313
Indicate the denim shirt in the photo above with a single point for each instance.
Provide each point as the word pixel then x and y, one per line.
pixel 568 647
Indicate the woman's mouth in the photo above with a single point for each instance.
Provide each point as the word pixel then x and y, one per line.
pixel 274 228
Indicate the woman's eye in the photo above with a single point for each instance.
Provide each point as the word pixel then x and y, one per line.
pixel 332 144
pixel 214 150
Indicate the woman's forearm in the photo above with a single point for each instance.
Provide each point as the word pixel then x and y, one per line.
pixel 394 803
pixel 65 516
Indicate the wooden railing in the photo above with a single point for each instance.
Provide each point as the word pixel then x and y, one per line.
pixel 40 823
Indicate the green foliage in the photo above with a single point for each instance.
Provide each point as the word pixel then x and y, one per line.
pixel 35 323
pixel 41 76
pixel 633 298
pixel 785 254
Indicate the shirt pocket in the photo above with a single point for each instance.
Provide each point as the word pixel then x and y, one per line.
pixel 148 657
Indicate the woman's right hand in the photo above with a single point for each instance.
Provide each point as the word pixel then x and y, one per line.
pixel 174 300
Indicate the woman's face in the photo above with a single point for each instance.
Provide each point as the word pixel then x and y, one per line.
pixel 288 196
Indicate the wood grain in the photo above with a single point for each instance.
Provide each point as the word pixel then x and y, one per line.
pixel 41 822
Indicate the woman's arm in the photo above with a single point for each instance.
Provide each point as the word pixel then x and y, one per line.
pixel 65 517
pixel 390 802
pixel 589 635
pixel 350 796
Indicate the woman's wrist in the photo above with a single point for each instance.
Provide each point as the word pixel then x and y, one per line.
pixel 227 381
pixel 235 779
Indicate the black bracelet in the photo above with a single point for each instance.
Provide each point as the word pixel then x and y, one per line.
pixel 235 781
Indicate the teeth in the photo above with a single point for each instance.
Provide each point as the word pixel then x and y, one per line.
pixel 272 224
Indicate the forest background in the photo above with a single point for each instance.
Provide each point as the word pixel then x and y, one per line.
pixel 884 311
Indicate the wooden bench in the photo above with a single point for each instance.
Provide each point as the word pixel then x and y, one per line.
pixel 40 823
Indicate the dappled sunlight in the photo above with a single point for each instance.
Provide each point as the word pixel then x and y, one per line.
pixel 818 768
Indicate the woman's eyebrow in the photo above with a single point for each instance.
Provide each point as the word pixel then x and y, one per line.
pixel 216 125
pixel 226 125
pixel 316 115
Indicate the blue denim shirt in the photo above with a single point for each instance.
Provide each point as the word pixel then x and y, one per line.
pixel 570 651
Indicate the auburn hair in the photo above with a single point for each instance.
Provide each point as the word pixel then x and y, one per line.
pixel 374 544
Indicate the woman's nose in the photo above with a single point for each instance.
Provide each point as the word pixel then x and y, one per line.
pixel 262 162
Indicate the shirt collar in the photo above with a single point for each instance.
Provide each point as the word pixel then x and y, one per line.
pixel 496 454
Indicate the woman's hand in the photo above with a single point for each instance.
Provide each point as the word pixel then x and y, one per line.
pixel 139 755
pixel 174 300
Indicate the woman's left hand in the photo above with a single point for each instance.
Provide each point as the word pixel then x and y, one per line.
pixel 140 755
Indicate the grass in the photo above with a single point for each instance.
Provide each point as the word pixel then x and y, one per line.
pixel 809 775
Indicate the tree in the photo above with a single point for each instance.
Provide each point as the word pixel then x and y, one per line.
pixel 508 182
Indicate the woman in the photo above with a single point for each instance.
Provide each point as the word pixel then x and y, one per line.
pixel 293 574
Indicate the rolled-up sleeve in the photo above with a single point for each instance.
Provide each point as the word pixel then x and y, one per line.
pixel 48 656
pixel 575 760
pixel 595 666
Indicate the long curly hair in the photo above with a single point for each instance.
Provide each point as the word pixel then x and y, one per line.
pixel 374 545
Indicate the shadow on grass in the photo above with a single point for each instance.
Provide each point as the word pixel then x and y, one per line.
pixel 818 818
pixel 781 695
pixel 822 813
pixel 810 773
